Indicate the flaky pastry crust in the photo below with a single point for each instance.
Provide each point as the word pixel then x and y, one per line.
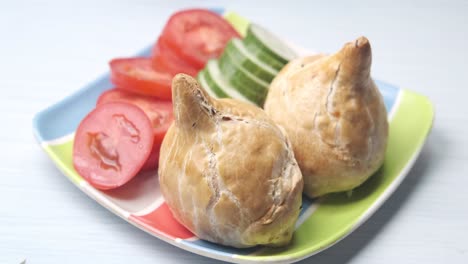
pixel 334 116
pixel 228 172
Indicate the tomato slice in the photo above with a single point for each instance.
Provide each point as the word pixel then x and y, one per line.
pixel 198 35
pixel 138 76
pixel 112 143
pixel 166 59
pixel 158 111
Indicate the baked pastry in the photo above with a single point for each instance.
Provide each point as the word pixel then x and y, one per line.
pixel 334 116
pixel 227 172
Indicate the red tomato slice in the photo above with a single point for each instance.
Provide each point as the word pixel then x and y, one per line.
pixel 198 35
pixel 111 145
pixel 158 111
pixel 166 59
pixel 138 76
pixel 152 162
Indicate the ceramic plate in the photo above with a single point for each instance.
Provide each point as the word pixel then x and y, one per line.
pixel 321 223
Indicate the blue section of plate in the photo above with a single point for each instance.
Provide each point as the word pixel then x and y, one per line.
pixel 68 113
pixel 389 93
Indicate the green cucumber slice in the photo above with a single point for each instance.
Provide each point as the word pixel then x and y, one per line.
pixel 236 49
pixel 202 80
pixel 239 77
pixel 216 81
pixel 243 81
pixel 265 57
pixel 259 38
pixel 257 98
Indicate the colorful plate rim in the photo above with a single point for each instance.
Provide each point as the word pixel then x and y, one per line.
pixel 401 103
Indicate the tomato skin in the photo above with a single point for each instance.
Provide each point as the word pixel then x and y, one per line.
pixel 111 145
pixel 158 111
pixel 198 35
pixel 138 76
pixel 152 162
pixel 164 58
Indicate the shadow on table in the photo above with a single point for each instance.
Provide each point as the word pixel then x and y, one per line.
pixel 345 250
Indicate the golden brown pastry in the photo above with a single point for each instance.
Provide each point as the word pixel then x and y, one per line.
pixel 227 172
pixel 334 116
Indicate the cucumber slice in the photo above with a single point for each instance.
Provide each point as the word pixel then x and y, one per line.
pixel 239 77
pixel 236 49
pixel 216 81
pixel 260 38
pixel 243 81
pixel 202 80
pixel 265 57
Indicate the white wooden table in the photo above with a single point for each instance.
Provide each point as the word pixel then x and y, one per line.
pixel 49 49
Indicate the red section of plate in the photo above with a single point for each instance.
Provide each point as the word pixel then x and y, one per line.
pixel 162 221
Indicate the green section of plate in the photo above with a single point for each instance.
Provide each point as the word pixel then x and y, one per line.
pixel 61 156
pixel 338 214
pixel 240 23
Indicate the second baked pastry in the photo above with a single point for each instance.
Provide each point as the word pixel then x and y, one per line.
pixel 334 116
